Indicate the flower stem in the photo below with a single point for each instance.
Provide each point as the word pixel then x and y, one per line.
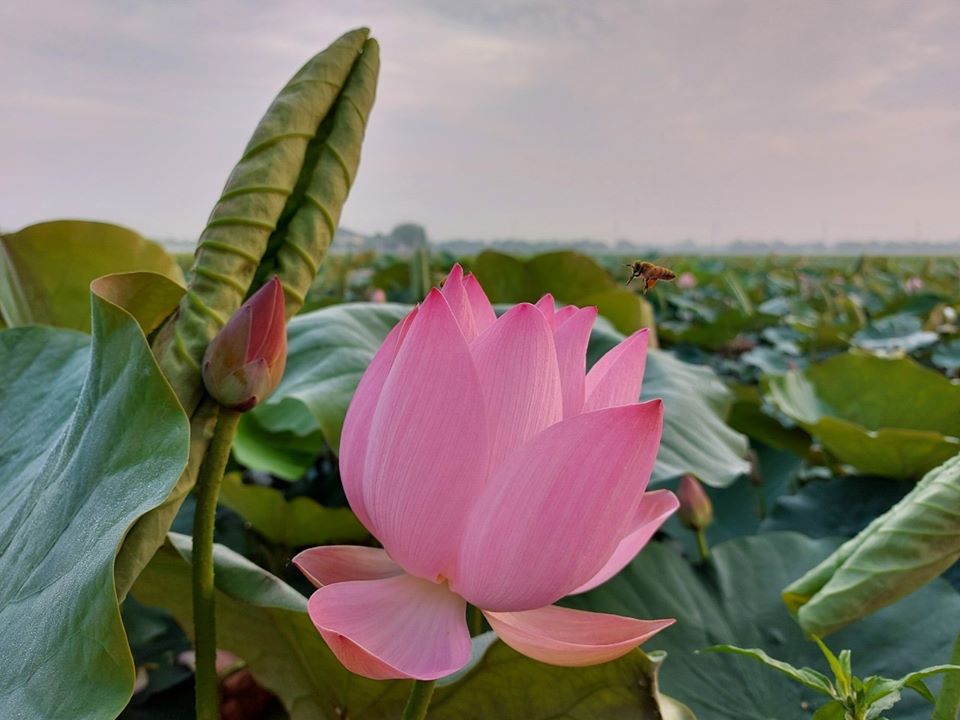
pixel 475 620
pixel 702 545
pixel 419 700
pixel 205 634
pixel 948 702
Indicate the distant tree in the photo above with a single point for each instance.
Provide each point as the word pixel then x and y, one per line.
pixel 409 235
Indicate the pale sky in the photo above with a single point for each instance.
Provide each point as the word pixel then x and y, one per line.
pixel 647 120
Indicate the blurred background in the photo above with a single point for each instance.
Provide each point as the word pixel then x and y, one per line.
pixel 691 125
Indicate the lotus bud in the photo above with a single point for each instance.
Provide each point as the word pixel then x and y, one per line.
pixel 245 361
pixel 696 509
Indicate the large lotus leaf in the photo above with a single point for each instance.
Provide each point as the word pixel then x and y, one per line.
pixel 734 600
pixel 282 453
pixel 93 438
pixel 901 331
pixel 264 621
pixel 46 269
pixel 330 348
pixel 900 551
pixel 839 507
pixel 750 416
pixel 947 356
pixel 570 277
pixel 885 416
pixel 293 523
pixel 726 325
pixel 504 277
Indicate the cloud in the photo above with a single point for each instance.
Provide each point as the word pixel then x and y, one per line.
pixel 650 120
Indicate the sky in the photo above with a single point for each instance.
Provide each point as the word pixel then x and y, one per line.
pixel 649 120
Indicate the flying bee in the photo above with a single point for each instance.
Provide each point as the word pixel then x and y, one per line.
pixel 650 273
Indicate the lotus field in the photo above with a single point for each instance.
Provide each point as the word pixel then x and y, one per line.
pixel 275 479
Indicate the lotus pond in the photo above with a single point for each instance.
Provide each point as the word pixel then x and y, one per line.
pixel 463 503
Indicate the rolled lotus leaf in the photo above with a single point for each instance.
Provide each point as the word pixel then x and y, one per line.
pixel 897 553
pixel 277 214
pixel 309 138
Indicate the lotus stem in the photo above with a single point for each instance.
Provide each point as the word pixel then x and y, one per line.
pixel 419 700
pixel 475 620
pixel 702 545
pixel 204 628
pixel 948 702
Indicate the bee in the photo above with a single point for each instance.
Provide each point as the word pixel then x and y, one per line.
pixel 650 273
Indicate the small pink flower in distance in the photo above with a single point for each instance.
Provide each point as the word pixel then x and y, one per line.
pixel 378 295
pixel 495 471
pixel 913 284
pixel 687 280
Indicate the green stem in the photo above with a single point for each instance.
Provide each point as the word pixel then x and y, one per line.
pixel 948 702
pixel 419 700
pixel 761 502
pixel 205 634
pixel 475 620
pixel 702 545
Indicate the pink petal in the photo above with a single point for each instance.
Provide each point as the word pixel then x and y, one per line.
pixel 574 638
pixel 571 337
pixel 616 377
pixel 565 313
pixel 356 424
pixel 552 516
pixel 483 314
pixel 655 508
pixel 548 307
pixel 517 364
pixel 427 454
pixel 395 627
pixel 459 302
pixel 329 564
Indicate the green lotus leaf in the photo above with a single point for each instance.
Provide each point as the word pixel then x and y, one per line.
pixel 294 523
pixel 884 416
pixel 901 331
pixel 898 552
pixel 733 600
pixel 947 356
pixel 93 438
pixel 46 269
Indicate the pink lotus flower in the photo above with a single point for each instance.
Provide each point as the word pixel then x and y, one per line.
pixel 496 471
pixel 687 280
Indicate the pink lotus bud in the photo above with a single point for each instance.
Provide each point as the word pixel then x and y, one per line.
pixel 245 361
pixel 687 280
pixel 495 470
pixel 913 284
pixel 378 295
pixel 696 509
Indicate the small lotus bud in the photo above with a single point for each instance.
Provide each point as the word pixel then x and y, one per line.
pixel 245 361
pixel 696 510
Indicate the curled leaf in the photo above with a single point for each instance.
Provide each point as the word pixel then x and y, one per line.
pixel 901 550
